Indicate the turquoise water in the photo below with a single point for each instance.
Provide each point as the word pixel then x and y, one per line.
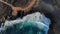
pixel 35 23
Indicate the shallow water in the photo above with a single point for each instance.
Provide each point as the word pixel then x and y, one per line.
pixel 35 23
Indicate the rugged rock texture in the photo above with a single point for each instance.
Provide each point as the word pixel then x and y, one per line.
pixel 12 7
pixel 18 3
pixel 56 16
pixel 5 11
